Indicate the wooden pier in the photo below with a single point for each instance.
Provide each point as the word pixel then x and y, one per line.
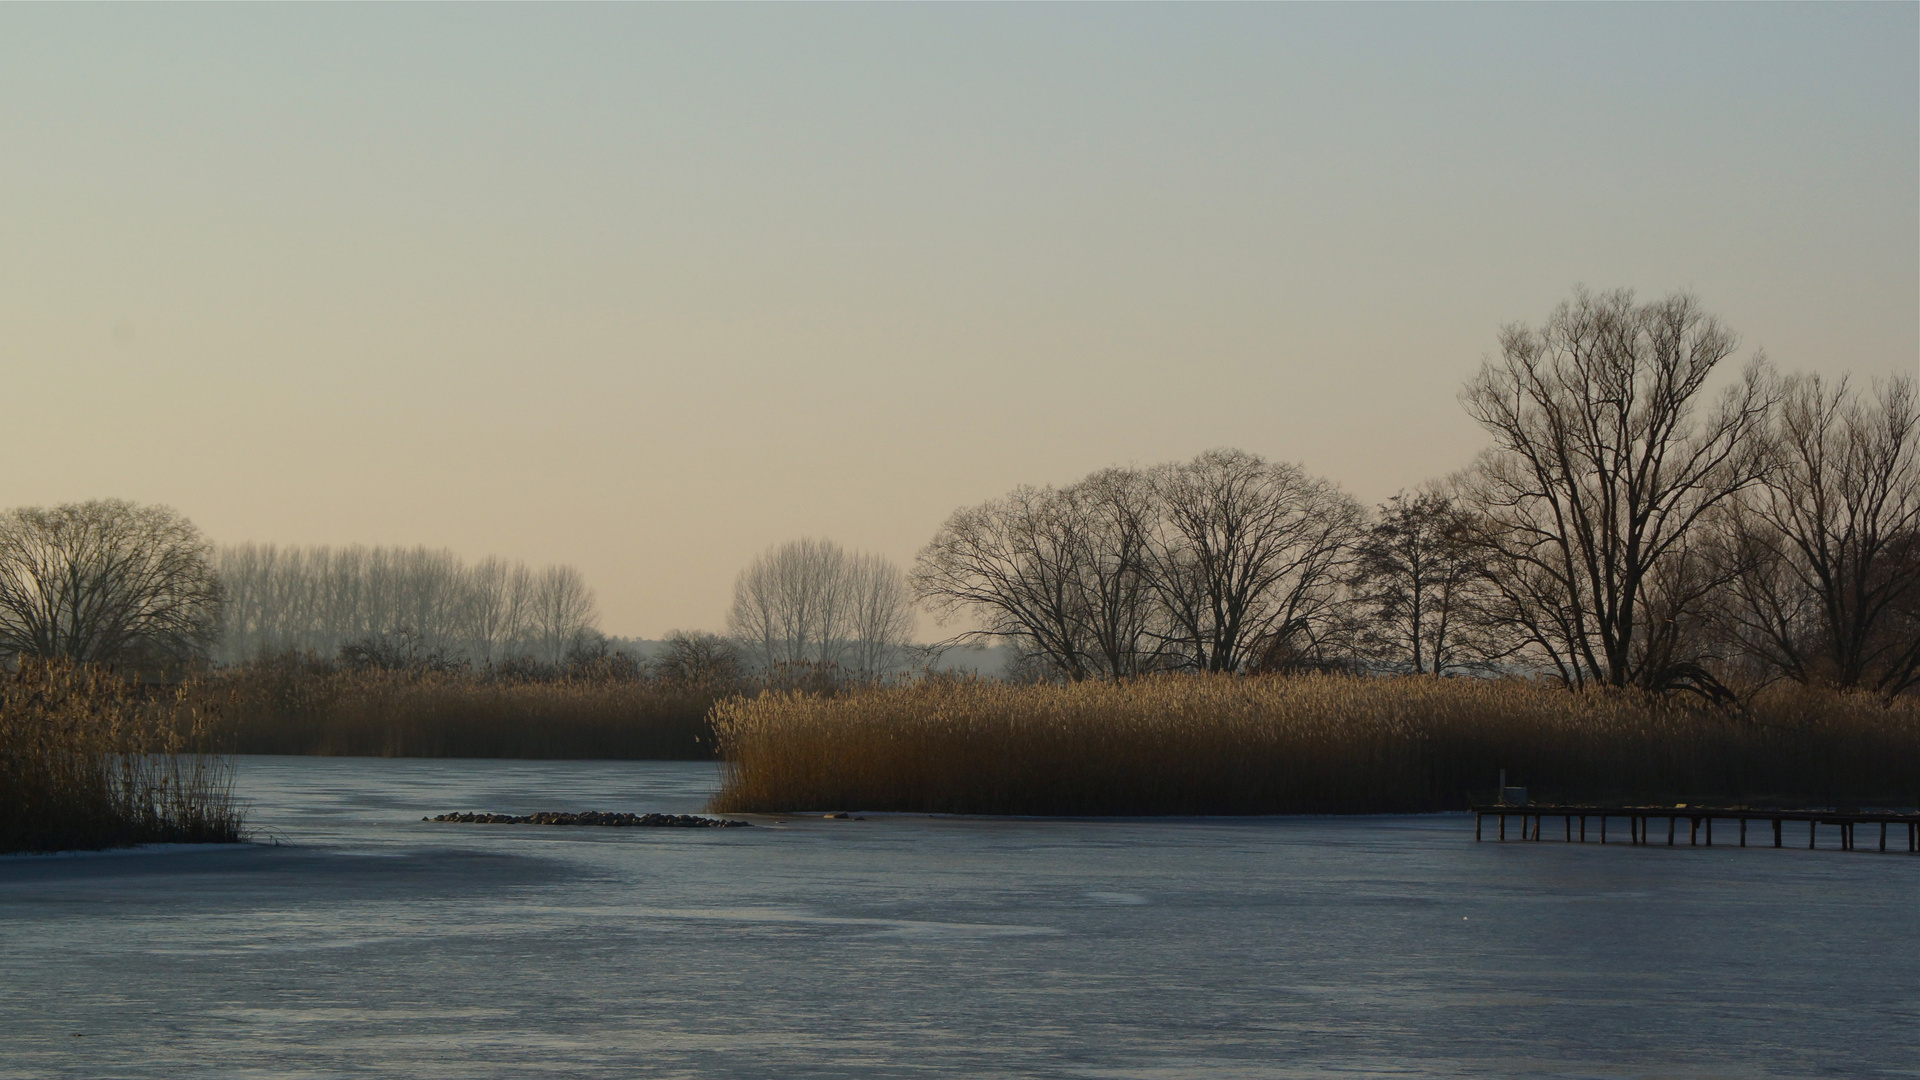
pixel 1641 830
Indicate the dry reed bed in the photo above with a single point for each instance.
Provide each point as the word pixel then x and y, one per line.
pixel 89 761
pixel 1264 745
pixel 285 709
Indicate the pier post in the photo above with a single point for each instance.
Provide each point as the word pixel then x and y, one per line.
pixel 1533 822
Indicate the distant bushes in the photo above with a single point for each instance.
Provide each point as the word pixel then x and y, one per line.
pixel 295 705
pixel 1309 744
pixel 89 760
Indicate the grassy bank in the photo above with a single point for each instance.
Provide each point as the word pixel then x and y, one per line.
pixel 1227 745
pixel 88 761
pixel 293 708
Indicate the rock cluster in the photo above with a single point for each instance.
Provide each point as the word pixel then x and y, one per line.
pixel 595 817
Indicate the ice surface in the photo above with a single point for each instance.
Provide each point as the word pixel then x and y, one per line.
pixel 374 944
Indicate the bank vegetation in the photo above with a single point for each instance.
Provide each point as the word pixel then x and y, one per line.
pixel 300 704
pixel 89 759
pixel 1225 744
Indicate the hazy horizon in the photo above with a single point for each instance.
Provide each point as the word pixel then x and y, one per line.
pixel 648 289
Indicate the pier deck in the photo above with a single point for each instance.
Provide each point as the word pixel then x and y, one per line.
pixel 1699 819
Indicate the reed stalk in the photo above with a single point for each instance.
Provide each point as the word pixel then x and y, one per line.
pixel 89 761
pixel 1315 744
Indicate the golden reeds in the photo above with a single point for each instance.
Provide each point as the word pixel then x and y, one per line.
pixel 1321 744
pixel 289 708
pixel 88 760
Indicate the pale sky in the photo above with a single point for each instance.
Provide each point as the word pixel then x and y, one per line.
pixel 648 289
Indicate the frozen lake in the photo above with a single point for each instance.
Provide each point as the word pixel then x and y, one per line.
pixel 372 943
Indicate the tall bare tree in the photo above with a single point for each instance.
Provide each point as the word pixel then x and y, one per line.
pixel 498 610
pixel 1421 586
pixel 1123 624
pixel 1831 542
pixel 106 581
pixel 811 601
pixel 1601 469
pixel 1009 563
pixel 879 616
pixel 788 604
pixel 1248 558
pixel 1059 571
pixel 563 611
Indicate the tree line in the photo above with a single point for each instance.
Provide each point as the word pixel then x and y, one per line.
pixel 1623 528
pixel 109 581
pixel 419 603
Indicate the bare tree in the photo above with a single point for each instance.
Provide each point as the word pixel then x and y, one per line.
pixel 1600 470
pixel 498 610
pixel 1421 585
pixel 1211 564
pixel 431 598
pixel 342 591
pixel 563 610
pixel 1830 544
pixel 1248 559
pixel 879 616
pixel 789 604
pixel 1019 565
pixel 106 581
pixel 811 602
pixel 1115 513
